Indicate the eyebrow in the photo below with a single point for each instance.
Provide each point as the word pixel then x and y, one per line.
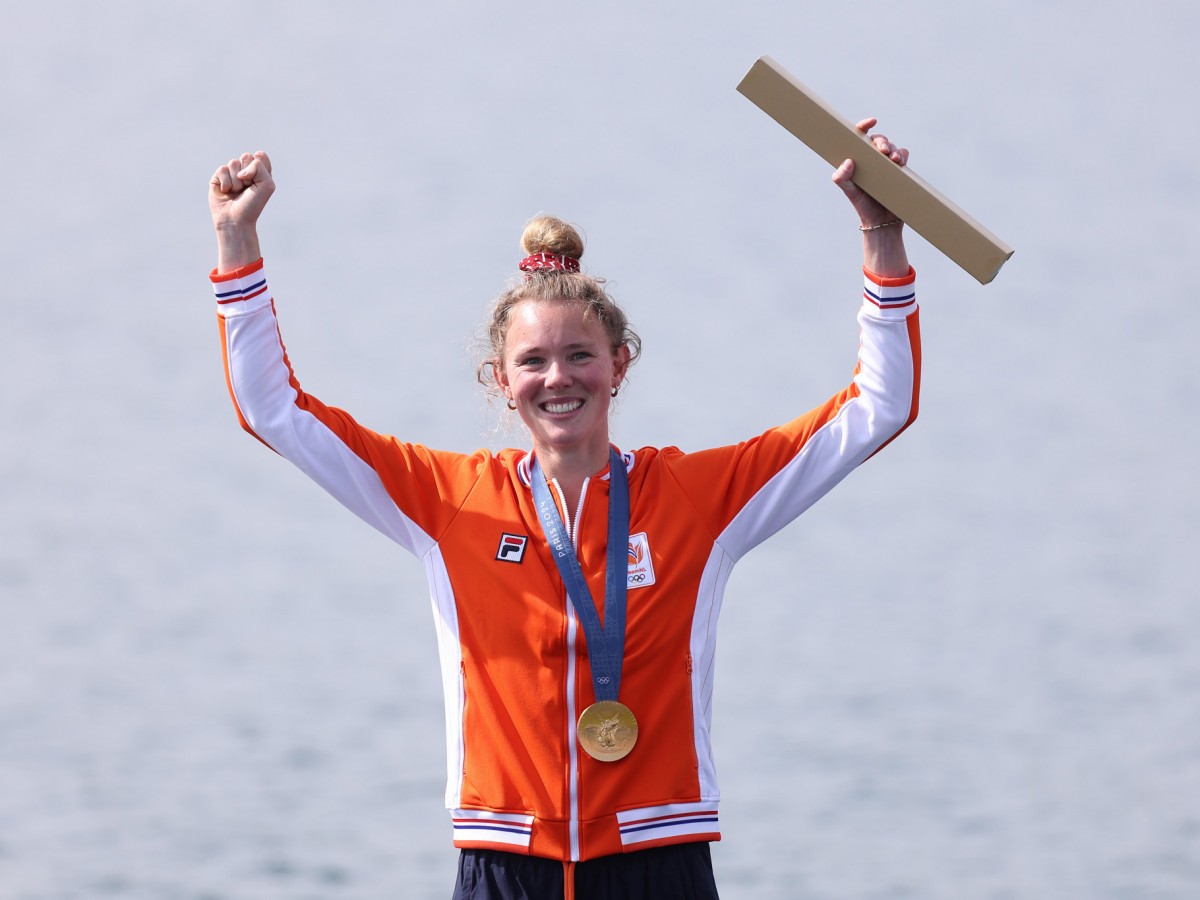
pixel 578 345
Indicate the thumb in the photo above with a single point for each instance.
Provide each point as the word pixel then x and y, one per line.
pixel 843 177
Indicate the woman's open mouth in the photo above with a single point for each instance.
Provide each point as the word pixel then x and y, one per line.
pixel 565 406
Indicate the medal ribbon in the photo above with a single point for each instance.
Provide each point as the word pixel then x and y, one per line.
pixel 606 645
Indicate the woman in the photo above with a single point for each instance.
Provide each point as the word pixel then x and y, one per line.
pixel 576 588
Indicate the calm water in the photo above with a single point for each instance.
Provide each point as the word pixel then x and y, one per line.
pixel 974 669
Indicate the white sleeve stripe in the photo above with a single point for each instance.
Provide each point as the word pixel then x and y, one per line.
pixel 862 425
pixel 262 390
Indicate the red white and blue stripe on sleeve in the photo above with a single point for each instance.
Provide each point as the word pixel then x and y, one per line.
pixel 238 285
pixel 890 293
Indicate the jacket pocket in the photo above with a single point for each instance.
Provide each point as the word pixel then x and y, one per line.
pixel 691 717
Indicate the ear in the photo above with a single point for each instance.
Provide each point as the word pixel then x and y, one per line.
pixel 498 374
pixel 620 364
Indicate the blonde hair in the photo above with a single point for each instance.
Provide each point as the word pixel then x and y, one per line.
pixel 546 234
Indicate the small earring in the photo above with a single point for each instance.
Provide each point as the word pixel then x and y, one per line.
pixel 511 405
pixel 616 390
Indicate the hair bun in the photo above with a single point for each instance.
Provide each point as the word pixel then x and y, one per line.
pixel 546 234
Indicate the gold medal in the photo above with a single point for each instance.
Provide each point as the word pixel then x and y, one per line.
pixel 607 730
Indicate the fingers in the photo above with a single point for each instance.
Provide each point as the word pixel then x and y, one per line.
pixel 897 154
pixel 221 181
pixel 262 157
pixel 241 172
pixel 225 179
pixel 252 164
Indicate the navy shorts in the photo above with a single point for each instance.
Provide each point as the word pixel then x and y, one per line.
pixel 675 872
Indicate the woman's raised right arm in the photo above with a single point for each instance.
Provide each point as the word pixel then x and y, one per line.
pixel 390 485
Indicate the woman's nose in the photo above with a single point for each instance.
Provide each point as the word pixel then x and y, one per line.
pixel 557 375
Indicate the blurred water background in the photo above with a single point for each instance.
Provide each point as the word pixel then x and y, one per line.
pixel 973 671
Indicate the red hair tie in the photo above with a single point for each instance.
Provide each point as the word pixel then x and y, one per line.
pixel 556 261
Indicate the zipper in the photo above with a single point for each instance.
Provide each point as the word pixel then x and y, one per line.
pixel 692 713
pixel 569 880
pixel 462 751
pixel 572 528
pixel 572 712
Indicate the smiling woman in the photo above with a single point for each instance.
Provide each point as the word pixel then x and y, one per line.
pixel 560 348
pixel 575 588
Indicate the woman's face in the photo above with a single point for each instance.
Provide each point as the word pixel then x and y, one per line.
pixel 559 370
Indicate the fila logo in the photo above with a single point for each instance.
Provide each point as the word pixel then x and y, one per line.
pixel 512 548
pixel 641 567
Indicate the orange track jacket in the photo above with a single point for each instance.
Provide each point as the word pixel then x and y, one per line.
pixel 514 662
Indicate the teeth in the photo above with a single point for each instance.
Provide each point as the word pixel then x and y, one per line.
pixel 563 407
